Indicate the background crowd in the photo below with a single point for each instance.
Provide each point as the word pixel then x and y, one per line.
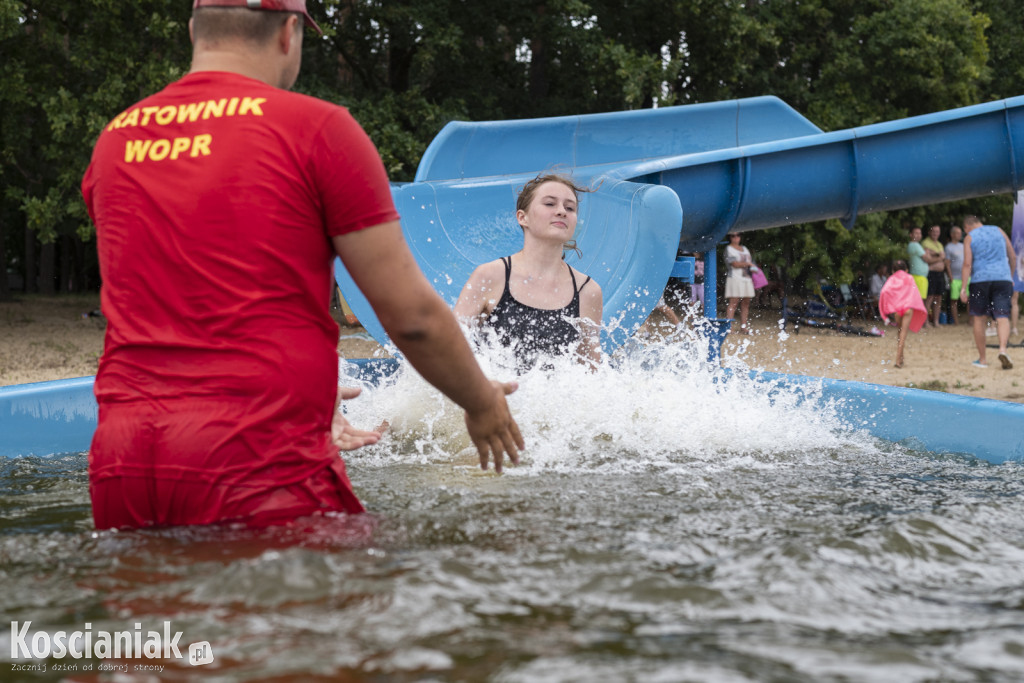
pixel 937 268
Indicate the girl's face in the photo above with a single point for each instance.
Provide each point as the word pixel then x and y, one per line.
pixel 734 240
pixel 551 213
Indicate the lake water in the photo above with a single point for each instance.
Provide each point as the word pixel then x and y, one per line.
pixel 663 526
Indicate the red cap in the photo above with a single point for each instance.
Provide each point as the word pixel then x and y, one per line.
pixel 273 5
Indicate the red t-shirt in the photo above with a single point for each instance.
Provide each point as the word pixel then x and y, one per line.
pixel 214 202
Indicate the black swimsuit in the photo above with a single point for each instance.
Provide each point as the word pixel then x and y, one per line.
pixel 535 331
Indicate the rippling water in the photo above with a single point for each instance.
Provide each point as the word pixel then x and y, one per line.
pixel 663 526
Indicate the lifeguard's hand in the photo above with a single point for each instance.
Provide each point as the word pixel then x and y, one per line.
pixel 493 430
pixel 343 435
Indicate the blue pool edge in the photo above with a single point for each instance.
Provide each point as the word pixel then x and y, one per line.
pixel 43 418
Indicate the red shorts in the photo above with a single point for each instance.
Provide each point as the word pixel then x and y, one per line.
pixel 152 467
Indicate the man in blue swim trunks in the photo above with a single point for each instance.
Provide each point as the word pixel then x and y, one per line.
pixel 988 264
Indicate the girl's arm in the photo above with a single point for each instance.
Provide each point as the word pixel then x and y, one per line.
pixel 965 270
pixel 423 328
pixel 481 292
pixel 735 261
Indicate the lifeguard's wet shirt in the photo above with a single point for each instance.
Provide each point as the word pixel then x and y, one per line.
pixel 214 202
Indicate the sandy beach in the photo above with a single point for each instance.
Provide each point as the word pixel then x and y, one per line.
pixel 48 338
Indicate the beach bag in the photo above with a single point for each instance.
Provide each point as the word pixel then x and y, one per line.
pixel 758 277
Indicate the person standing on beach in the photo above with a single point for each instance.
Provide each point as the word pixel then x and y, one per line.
pixel 918 267
pixel 988 264
pixel 935 255
pixel 878 280
pixel 739 288
pixel 219 204
pixel 899 298
pixel 918 260
pixel 697 288
pixel 955 257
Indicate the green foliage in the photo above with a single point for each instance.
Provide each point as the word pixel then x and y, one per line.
pixel 828 251
pixel 910 57
pixel 10 13
pixel 407 68
pixel 849 63
pixel 846 63
pixel 401 125
pixel 66 69
pixel 1005 42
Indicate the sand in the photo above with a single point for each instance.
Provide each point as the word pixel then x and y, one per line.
pixel 49 338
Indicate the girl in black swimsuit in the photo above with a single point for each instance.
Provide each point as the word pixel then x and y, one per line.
pixel 536 331
pixel 536 302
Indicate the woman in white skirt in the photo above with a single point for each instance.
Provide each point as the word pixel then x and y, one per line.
pixel 739 288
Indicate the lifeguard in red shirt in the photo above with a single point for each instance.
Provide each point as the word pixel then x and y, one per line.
pixel 220 203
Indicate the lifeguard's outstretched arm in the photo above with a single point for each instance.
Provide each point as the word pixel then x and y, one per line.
pixel 424 329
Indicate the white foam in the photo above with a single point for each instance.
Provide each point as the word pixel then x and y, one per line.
pixel 657 403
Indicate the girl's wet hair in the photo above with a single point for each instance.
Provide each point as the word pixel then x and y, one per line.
pixel 528 191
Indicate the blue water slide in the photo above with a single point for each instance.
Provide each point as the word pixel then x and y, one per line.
pixel 591 142
pixel 460 210
pixel 958 154
pixel 987 429
pixel 740 165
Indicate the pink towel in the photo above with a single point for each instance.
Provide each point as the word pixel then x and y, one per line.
pixel 899 295
pixel 758 278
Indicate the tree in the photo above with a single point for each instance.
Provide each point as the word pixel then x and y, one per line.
pixel 852 63
pixel 9 26
pixel 67 68
pixel 407 67
pixel 1006 44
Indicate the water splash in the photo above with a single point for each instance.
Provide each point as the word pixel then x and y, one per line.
pixel 657 403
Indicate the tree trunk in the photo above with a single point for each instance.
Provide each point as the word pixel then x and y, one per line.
pixel 538 73
pixel 5 289
pixel 538 69
pixel 47 268
pixel 66 264
pixel 81 273
pixel 400 61
pixel 31 282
